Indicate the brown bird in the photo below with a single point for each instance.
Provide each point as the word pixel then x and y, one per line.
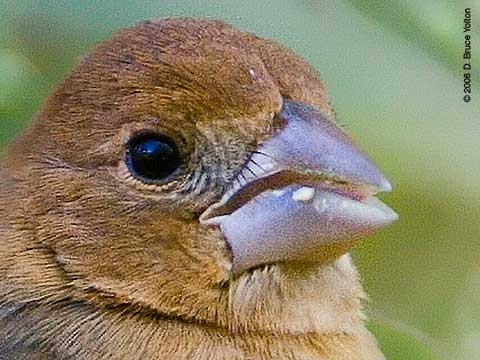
pixel 186 194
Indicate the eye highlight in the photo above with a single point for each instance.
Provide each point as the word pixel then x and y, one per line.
pixel 152 157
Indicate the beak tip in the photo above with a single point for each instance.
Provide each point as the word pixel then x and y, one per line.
pixel 384 185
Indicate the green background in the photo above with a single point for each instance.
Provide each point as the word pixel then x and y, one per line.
pixel 394 73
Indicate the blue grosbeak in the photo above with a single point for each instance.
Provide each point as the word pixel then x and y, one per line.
pixel 185 193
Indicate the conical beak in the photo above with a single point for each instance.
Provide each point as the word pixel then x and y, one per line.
pixel 307 195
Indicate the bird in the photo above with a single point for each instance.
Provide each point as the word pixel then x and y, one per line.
pixel 186 193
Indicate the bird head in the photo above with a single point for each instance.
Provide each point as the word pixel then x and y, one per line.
pixel 188 169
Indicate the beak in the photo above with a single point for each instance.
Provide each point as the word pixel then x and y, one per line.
pixel 307 195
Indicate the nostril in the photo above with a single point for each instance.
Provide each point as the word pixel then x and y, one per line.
pixel 278 122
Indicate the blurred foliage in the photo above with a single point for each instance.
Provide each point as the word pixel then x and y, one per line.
pixel 431 25
pixel 393 70
pixel 398 342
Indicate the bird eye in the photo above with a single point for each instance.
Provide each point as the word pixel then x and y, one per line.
pixel 152 157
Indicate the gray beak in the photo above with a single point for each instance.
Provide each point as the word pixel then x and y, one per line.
pixel 316 198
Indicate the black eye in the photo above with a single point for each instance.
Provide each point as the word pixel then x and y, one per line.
pixel 152 157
